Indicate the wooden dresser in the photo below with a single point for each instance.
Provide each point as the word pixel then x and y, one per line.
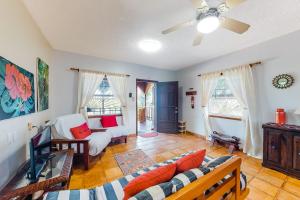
pixel 282 148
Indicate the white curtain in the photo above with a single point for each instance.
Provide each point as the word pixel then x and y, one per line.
pixel 119 86
pixel 240 81
pixel 89 82
pixel 208 83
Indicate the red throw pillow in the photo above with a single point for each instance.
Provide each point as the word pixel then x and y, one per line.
pixel 81 132
pixel 151 178
pixel 190 161
pixel 109 121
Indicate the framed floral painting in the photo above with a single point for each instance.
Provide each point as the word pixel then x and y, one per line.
pixel 16 90
pixel 42 85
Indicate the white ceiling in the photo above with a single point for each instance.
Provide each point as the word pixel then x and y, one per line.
pixel 112 28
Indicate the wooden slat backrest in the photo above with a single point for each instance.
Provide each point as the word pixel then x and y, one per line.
pixel 196 189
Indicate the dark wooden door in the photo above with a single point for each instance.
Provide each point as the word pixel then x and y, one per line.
pixel 167 107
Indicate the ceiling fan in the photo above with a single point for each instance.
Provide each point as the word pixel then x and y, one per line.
pixel 210 18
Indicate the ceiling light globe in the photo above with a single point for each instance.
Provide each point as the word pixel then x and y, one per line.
pixel 150 45
pixel 208 24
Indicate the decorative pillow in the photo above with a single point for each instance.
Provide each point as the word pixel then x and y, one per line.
pixel 157 192
pixel 148 179
pixel 185 178
pixel 190 161
pixel 217 162
pixel 81 132
pixel 108 121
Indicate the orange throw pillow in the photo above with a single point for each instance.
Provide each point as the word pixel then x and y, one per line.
pixel 190 161
pixel 81 132
pixel 151 178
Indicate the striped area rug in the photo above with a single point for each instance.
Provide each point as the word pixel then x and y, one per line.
pixel 133 161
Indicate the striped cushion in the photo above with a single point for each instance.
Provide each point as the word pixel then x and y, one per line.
pixel 157 192
pixel 72 195
pixel 185 178
pixel 114 189
pixel 214 163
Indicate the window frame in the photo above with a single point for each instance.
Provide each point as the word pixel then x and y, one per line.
pixel 102 97
pixel 223 115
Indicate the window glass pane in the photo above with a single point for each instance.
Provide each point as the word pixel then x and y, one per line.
pixel 104 102
pixel 223 101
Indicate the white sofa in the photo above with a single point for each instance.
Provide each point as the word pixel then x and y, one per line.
pixel 97 140
pixel 116 132
pixel 94 144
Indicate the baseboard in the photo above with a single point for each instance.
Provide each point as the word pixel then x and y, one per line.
pixel 197 135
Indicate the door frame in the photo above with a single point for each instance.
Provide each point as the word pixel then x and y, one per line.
pixel 136 102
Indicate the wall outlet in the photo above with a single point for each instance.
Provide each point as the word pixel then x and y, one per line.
pixel 30 126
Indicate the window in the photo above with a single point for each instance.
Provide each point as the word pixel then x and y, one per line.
pixel 223 102
pixel 104 102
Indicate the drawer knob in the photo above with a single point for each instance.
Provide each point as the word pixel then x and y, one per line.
pixel 299 154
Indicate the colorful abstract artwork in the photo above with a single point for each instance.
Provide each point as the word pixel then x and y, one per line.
pixel 16 90
pixel 43 85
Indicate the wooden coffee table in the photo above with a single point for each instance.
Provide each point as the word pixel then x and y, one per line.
pixel 56 176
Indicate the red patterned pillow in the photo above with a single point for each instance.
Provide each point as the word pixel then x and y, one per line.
pixel 190 161
pixel 81 132
pixel 109 121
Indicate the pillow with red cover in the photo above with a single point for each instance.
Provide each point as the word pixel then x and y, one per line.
pixel 190 161
pixel 151 178
pixel 108 121
pixel 81 132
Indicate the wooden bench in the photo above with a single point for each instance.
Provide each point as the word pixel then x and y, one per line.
pixel 232 142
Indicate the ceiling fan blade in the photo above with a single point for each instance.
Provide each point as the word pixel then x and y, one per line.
pixel 178 26
pixel 198 39
pixel 234 3
pixel 199 3
pixel 235 25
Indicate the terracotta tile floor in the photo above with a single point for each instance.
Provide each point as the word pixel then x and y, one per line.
pixel 264 183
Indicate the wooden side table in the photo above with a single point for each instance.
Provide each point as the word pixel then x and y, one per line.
pixel 182 127
pixel 56 174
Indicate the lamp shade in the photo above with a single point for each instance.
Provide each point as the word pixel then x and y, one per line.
pixel 297 111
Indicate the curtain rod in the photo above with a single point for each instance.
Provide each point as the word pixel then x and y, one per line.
pixel 251 65
pixel 106 73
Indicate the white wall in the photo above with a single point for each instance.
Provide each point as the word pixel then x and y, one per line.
pixel 21 43
pixel 65 84
pixel 279 56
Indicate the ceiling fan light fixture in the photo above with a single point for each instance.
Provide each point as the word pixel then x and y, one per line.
pixel 208 24
pixel 150 45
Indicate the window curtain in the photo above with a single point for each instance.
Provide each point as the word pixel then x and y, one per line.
pixel 240 81
pixel 119 86
pixel 88 83
pixel 208 83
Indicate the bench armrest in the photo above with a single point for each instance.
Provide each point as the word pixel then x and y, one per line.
pixel 98 130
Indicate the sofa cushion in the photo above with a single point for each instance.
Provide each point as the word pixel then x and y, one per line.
pixel 191 161
pixel 114 190
pixel 71 194
pixel 187 177
pixel 98 141
pixel 64 123
pixel 81 132
pixel 118 131
pixel 217 161
pixel 157 192
pixel 109 121
pixel 148 179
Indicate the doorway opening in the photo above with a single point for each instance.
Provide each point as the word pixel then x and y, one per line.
pixel 146 106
